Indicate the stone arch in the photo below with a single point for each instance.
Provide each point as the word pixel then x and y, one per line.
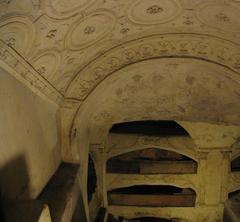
pixel 166 114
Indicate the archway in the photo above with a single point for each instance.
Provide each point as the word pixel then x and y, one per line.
pixel 169 94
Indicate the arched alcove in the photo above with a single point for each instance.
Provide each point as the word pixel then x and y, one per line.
pixel 151 161
pixel 92 179
pixel 164 128
pixel 152 195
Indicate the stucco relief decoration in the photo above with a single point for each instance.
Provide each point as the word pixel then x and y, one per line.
pixel 61 81
pixel 46 64
pixel 51 34
pixel 155 47
pixel 89 30
pixel 18 7
pixel 154 9
pixel 67 8
pixel 18 33
pixel 151 12
pixel 20 69
pixel 220 16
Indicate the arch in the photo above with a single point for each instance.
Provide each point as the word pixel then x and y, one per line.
pixel 86 120
pixel 152 195
pixel 176 113
pixel 151 161
pixel 188 109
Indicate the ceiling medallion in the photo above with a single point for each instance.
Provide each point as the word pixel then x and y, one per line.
pixel 219 16
pixel 153 12
pixel 95 26
pixel 11 42
pixel 19 33
pixel 154 9
pixel 46 63
pixel 66 8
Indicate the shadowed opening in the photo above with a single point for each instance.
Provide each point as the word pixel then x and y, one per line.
pixel 92 179
pixel 235 164
pixel 152 195
pixel 151 128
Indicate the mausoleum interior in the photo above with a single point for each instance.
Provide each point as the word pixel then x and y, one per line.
pixel 119 110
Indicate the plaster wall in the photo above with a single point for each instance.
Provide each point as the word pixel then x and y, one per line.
pixel 29 146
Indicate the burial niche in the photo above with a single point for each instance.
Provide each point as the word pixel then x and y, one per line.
pixel 152 196
pixel 151 161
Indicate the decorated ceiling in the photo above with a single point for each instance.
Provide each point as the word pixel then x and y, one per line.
pixel 64 48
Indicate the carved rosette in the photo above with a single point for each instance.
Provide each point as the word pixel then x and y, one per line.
pixel 160 46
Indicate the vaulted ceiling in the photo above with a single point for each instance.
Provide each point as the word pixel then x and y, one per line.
pixel 75 44
pixel 111 61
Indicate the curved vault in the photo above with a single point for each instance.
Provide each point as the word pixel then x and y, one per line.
pixel 178 89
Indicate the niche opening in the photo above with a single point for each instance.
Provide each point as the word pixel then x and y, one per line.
pixel 153 196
